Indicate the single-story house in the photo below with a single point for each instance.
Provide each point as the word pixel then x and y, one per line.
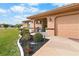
pixel 62 21
pixel 26 23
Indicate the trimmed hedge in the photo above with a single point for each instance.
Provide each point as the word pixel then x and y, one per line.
pixel 38 37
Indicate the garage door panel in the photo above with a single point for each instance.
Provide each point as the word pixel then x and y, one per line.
pixel 68 26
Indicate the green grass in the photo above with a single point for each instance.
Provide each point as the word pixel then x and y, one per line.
pixel 8 42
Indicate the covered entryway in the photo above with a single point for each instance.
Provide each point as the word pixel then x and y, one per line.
pixel 41 25
pixel 44 24
pixel 68 26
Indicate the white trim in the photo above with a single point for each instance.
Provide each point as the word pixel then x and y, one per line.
pixel 20 48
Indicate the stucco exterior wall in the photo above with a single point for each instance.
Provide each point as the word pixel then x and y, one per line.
pixel 32 26
pixel 50 25
pixel 24 25
pixel 68 26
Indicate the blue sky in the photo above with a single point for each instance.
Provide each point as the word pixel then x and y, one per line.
pixel 15 13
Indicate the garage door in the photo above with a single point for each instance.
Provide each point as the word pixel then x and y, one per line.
pixel 68 26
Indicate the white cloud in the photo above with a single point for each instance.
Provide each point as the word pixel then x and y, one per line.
pixel 2 11
pixel 22 4
pixel 43 10
pixel 33 9
pixel 19 17
pixel 18 9
pixel 23 9
pixel 16 21
pixel 33 4
pixel 60 4
pixel 3 22
pixel 25 16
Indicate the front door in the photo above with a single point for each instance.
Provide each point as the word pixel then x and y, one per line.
pixel 44 25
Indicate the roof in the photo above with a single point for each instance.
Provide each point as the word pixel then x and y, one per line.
pixel 26 21
pixel 67 8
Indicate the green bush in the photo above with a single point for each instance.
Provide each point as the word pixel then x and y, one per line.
pixel 26 50
pixel 38 37
pixel 25 34
pixel 24 31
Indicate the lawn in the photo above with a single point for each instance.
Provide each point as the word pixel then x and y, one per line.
pixel 8 42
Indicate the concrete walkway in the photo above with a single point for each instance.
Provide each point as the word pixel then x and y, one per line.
pixel 58 46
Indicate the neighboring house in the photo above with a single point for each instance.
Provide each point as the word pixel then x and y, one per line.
pixel 62 21
pixel 27 24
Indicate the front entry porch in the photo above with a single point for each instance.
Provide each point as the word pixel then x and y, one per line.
pixel 46 26
pixel 40 25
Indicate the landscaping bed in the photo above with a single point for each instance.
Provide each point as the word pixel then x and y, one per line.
pixel 31 44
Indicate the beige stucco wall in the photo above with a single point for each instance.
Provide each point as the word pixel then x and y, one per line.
pixel 50 24
pixel 68 26
pixel 24 25
pixel 32 26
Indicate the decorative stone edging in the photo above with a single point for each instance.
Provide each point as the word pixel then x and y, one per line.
pixel 20 48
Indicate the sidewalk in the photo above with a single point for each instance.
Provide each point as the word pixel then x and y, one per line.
pixel 58 46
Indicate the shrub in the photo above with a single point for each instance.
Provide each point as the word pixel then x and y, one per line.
pixel 24 31
pixel 26 50
pixel 38 37
pixel 25 34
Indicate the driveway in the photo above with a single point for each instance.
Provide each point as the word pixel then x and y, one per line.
pixel 59 46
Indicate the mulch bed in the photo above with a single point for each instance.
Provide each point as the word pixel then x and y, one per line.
pixel 32 48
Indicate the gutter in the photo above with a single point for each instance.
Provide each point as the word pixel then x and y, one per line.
pixel 20 47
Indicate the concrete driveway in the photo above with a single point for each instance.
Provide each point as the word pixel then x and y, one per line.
pixel 59 46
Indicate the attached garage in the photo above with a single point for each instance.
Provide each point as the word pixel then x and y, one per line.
pixel 62 21
pixel 68 26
